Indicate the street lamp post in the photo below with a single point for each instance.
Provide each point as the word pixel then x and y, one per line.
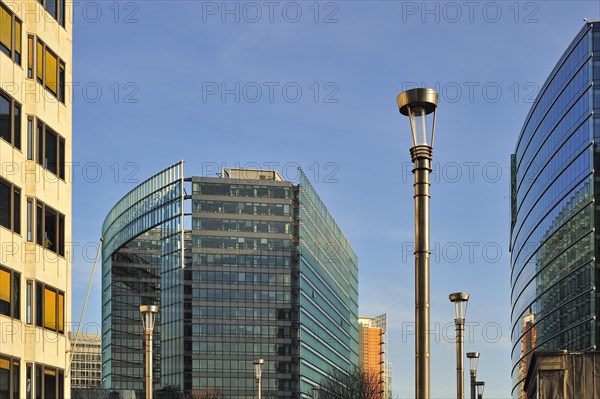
pixel 473 360
pixel 258 366
pixel 461 301
pixel 417 104
pixel 148 318
pixel 480 387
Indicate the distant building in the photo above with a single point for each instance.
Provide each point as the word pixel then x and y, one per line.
pixel 372 351
pixel 242 266
pixel 86 366
pixel 555 222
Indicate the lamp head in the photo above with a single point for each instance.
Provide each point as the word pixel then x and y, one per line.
pixel 258 366
pixel 473 361
pixel 480 385
pixel 148 317
pixel 417 104
pixel 461 302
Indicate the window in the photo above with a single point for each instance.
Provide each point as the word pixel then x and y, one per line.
pixel 10 120
pixel 56 8
pixel 51 150
pixel 10 34
pixel 49 225
pixel 10 206
pixel 30 56
pixel 29 303
pixel 28 381
pixel 30 138
pixel 50 308
pixel 10 284
pixel 9 377
pixel 50 70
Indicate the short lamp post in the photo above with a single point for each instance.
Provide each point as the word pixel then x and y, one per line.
pixel 148 318
pixel 473 361
pixel 480 387
pixel 417 104
pixel 315 392
pixel 258 367
pixel 461 301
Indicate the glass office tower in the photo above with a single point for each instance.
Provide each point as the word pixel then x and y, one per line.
pixel 553 217
pixel 266 273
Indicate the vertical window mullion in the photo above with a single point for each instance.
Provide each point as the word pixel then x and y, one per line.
pixel 29 302
pixel 30 138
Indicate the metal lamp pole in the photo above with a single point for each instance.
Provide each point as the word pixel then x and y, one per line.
pixel 258 366
pixel 473 360
pixel 148 318
pixel 417 104
pixel 460 300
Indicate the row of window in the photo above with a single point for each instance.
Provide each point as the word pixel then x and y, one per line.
pixel 43 144
pixel 242 190
pixel 230 330
pixel 49 71
pixel 251 226
pixel 239 366
pixel 209 277
pixel 265 244
pixel 242 208
pixel 243 384
pixel 227 313
pixel 49 381
pixel 49 302
pixel 263 296
pixel 10 34
pixel 56 8
pixel 235 260
pixel 238 348
pixel 44 223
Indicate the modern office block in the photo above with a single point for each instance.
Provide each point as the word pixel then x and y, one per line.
pixel 86 364
pixel 372 351
pixel 553 243
pixel 35 198
pixel 251 266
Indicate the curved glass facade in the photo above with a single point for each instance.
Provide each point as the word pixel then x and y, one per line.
pixel 553 217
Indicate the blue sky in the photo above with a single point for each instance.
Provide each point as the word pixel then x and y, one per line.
pixel 313 84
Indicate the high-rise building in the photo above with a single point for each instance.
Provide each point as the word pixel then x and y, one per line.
pixel 261 271
pixel 35 197
pixel 372 352
pixel 554 222
pixel 86 363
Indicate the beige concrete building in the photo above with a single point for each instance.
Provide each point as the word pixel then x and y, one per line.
pixel 35 198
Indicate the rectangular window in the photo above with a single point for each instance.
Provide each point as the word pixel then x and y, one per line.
pixel 56 8
pixel 29 219
pixel 29 302
pixel 61 158
pixel 9 377
pixel 40 61
pixel 38 381
pixel 39 306
pixel 10 283
pixel 51 71
pixel 30 56
pixel 10 34
pixel 51 150
pixel 61 234
pixel 39 223
pixel 61 82
pixel 30 139
pixel 10 206
pixel 50 309
pixel 40 143
pixel 10 120
pixel 28 382
pixel 50 228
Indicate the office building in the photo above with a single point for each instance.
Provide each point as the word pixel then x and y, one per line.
pixel 35 197
pixel 86 363
pixel 251 266
pixel 554 220
pixel 372 352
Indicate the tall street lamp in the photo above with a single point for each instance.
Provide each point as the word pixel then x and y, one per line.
pixel 417 104
pixel 148 318
pixel 480 388
pixel 473 361
pixel 461 301
pixel 258 366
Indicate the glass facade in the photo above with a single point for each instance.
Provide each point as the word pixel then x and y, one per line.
pixel 266 274
pixel 553 219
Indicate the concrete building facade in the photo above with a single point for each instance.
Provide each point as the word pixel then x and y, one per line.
pixel 35 197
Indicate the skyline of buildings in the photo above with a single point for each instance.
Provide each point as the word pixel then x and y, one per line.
pixel 554 243
pixel 265 273
pixel 35 203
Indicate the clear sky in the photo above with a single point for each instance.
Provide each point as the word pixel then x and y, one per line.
pixel 313 84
